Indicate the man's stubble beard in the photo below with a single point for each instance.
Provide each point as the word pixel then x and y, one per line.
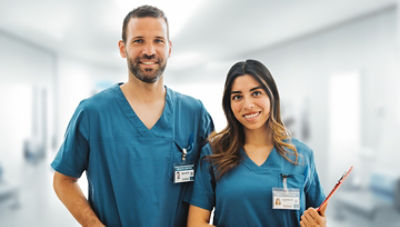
pixel 134 68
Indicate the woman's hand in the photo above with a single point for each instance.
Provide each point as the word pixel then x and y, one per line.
pixel 311 217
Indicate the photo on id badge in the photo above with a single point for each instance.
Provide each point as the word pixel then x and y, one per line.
pixel 183 173
pixel 285 198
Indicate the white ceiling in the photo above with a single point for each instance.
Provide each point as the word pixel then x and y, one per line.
pixel 202 30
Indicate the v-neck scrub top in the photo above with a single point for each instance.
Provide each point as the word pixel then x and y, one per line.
pixel 243 196
pixel 128 166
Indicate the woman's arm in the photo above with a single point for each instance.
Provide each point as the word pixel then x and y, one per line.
pixel 198 217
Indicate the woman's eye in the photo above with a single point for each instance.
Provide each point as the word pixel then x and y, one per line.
pixel 257 93
pixel 236 97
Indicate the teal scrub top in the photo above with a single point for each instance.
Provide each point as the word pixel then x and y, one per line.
pixel 243 196
pixel 129 167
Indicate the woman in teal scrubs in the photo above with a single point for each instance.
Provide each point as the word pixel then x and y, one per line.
pixel 252 172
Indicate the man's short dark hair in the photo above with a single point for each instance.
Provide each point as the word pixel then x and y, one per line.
pixel 140 12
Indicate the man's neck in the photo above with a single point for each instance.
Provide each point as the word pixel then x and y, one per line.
pixel 140 91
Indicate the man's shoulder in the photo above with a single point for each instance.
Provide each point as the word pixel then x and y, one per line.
pixel 185 101
pixel 100 100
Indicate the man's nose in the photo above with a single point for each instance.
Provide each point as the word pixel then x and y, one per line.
pixel 149 50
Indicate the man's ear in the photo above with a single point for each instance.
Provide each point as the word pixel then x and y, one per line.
pixel 170 48
pixel 122 49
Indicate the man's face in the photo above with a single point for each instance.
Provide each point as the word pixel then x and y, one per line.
pixel 147 48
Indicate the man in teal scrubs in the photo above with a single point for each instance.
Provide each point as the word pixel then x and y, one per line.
pixel 134 139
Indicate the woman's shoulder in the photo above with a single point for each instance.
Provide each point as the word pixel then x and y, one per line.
pixel 301 147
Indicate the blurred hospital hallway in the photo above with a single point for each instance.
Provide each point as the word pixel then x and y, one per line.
pixel 336 65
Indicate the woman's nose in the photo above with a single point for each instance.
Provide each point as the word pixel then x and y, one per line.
pixel 248 103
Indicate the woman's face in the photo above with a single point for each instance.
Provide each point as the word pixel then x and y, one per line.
pixel 250 103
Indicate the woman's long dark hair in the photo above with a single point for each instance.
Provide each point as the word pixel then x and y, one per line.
pixel 227 143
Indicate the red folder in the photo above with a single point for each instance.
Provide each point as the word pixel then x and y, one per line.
pixel 336 187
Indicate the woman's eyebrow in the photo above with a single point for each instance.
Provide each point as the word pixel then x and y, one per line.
pixel 256 88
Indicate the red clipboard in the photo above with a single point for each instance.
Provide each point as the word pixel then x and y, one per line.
pixel 344 176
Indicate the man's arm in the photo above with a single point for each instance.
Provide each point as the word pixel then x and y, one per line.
pixel 69 192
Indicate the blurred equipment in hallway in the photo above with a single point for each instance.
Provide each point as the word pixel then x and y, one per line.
pixel 378 202
pixel 8 193
pixel 34 148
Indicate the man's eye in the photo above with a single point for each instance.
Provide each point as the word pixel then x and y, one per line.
pixel 138 41
pixel 159 41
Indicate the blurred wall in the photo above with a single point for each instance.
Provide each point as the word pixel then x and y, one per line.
pixel 67 80
pixel 24 66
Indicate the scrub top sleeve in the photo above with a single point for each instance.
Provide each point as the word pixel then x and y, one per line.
pixel 203 194
pixel 72 158
pixel 314 192
pixel 207 125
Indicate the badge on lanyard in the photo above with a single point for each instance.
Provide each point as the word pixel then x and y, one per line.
pixel 184 171
pixel 285 198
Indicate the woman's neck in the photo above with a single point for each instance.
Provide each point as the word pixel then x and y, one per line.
pixel 258 138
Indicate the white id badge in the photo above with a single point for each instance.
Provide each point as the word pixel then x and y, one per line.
pixel 286 199
pixel 183 173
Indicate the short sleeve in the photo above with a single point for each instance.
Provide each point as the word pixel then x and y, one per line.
pixel 203 194
pixel 207 124
pixel 72 157
pixel 313 190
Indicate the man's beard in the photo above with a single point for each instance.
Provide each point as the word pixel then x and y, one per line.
pixel 147 76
